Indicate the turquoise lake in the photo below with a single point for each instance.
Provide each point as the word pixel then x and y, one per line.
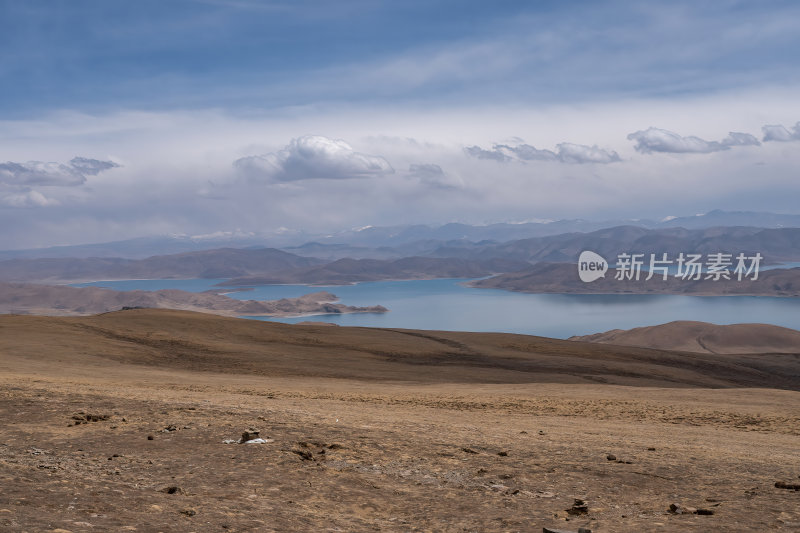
pixel 445 304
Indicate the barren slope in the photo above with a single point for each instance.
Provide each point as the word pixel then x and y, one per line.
pixel 119 422
pixel 702 337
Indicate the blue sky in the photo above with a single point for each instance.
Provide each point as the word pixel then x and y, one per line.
pixel 220 115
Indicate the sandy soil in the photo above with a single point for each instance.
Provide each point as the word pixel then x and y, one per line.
pixel 377 439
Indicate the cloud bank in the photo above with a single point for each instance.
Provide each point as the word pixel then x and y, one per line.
pixel 781 134
pixel 566 153
pixel 313 157
pixel 52 174
pixel 657 140
pixel 27 199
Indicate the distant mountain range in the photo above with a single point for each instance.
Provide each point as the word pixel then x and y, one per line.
pixel 209 264
pixel 775 245
pixel 393 242
pixel 454 259
pixel 343 271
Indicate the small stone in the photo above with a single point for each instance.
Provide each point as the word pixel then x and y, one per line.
pixel 704 512
pixel 502 454
pixel 676 508
pixel 172 490
pixel 579 507
pixel 788 486
pixel 611 457
pixel 250 434
pixel 189 512
pixel 468 450
pixel 150 437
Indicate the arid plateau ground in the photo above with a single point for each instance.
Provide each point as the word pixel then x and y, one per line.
pixel 118 422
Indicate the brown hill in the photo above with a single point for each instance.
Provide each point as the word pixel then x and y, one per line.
pixel 702 337
pixel 562 278
pixel 25 298
pixel 199 341
pixel 129 421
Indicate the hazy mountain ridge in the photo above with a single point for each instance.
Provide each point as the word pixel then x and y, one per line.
pixel 357 270
pixel 384 242
pixel 455 259
pixel 220 263
pixel 775 245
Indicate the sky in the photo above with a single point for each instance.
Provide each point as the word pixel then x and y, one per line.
pixel 124 119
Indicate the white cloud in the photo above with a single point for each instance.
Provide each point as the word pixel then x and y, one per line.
pixel 425 170
pixel 736 138
pixel 654 140
pixel 314 157
pixel 27 200
pixel 495 154
pixel 91 167
pixel 52 174
pixel 579 153
pixel 527 152
pixel 567 153
pixel 434 176
pixel 781 134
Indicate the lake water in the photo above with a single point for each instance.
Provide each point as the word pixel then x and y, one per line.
pixel 445 304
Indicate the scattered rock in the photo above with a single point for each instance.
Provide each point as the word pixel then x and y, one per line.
pixel 189 512
pixel 611 457
pixel 651 449
pixel 676 508
pixel 250 434
pixel 170 428
pixel 85 418
pixel 788 486
pixel 468 450
pixel 579 507
pixel 172 490
pixel 502 454
pixel 150 437
pixel 304 454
